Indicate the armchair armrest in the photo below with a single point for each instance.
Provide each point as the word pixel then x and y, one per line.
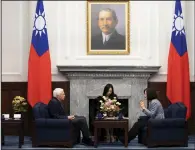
pixel 168 123
pixel 60 123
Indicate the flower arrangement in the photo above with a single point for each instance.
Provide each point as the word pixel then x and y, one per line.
pixel 109 106
pixel 19 104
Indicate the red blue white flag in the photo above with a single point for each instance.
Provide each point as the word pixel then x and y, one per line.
pixel 39 63
pixel 178 76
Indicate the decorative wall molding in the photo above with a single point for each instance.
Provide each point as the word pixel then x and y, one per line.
pixel 12 77
pixel 108 71
pixel 11 73
pixel 163 78
pixel 109 75
pixel 18 77
pixel 144 69
pixel 109 58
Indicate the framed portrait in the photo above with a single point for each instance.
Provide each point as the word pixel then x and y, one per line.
pixel 108 27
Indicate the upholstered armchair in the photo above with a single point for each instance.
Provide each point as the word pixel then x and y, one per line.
pixel 171 131
pixel 48 131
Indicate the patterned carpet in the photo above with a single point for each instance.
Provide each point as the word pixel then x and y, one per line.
pixel 11 143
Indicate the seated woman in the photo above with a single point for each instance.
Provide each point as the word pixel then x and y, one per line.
pixel 108 93
pixel 155 111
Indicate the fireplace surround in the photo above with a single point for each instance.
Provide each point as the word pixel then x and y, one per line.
pixel 87 82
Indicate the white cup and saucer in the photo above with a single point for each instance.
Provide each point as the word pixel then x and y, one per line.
pixel 6 116
pixel 17 116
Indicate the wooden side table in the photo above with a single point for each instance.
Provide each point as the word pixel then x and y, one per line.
pixel 13 124
pixel 110 124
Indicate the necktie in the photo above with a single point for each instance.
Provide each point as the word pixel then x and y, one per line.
pixel 105 41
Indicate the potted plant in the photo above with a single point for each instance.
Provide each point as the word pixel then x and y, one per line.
pixel 20 105
pixel 110 107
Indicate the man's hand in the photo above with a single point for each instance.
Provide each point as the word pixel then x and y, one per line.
pixel 142 105
pixel 71 117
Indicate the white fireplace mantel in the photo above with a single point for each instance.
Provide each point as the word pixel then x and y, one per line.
pixel 108 71
pixel 88 82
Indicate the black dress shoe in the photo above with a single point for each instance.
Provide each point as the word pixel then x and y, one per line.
pixel 88 142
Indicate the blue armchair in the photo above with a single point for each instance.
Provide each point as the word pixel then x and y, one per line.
pixel 171 131
pixel 48 131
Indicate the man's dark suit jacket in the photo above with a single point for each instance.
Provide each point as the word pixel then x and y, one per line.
pixel 56 109
pixel 116 42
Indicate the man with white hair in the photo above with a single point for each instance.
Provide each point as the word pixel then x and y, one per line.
pixel 56 110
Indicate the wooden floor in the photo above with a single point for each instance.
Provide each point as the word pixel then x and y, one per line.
pixel 11 143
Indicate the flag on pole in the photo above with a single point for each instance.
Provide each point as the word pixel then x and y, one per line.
pixel 39 63
pixel 178 77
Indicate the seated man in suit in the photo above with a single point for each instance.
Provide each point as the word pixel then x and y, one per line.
pixel 56 110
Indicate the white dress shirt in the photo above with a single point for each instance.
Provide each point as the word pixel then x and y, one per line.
pixel 106 37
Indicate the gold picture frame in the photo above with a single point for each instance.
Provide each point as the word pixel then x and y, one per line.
pixel 111 18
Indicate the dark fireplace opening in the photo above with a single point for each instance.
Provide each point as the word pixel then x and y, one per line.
pixel 93 111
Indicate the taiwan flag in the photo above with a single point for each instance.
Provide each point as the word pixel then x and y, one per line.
pixel 39 63
pixel 178 79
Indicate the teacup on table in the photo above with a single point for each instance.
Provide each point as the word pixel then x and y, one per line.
pixel 6 116
pixel 17 116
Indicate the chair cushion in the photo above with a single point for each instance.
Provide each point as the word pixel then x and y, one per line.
pixel 40 110
pixel 176 110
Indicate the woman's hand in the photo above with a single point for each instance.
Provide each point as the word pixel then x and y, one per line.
pixel 142 105
pixel 104 97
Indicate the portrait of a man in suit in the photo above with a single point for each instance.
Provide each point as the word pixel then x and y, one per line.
pixel 108 38
pixel 108 28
